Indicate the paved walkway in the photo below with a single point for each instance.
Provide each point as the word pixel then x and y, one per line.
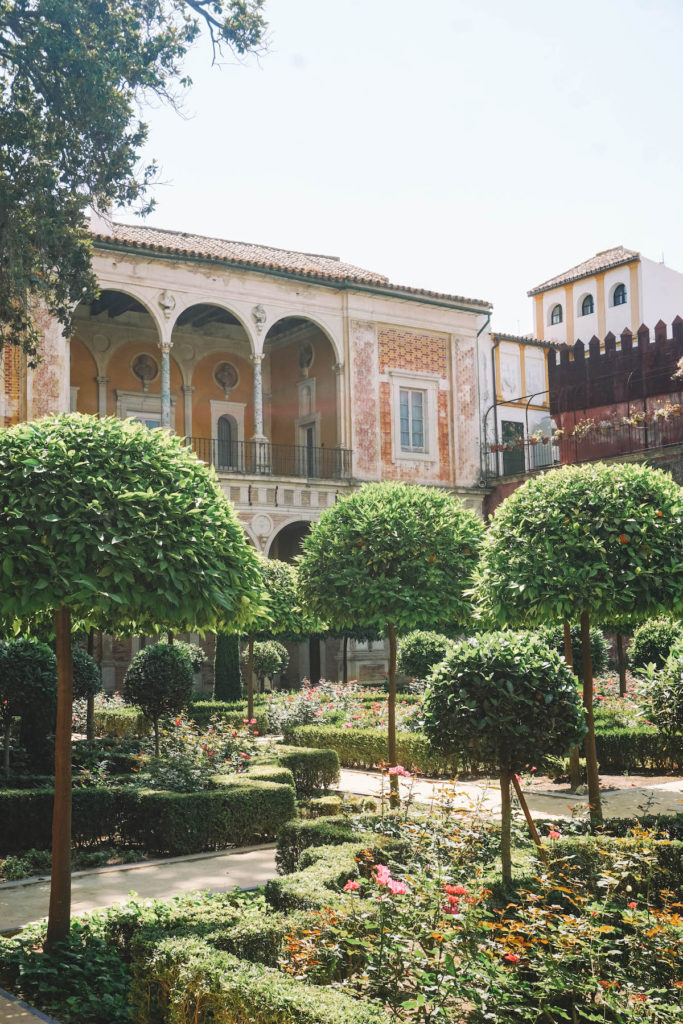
pixel 666 798
pixel 23 902
pixel 14 1011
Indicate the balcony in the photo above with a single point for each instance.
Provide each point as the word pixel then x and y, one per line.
pixel 591 443
pixel 261 458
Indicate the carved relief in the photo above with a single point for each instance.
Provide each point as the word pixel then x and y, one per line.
pixel 145 368
pixel 166 303
pixel 259 316
pixel 226 377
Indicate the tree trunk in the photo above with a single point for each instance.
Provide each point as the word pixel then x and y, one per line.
pixel 314 661
pixel 529 820
pixel 394 799
pixel 621 661
pixel 575 778
pixel 345 660
pixel 505 821
pixel 6 739
pixel 90 707
pixel 170 637
pixel 591 751
pixel 60 883
pixel 156 737
pixel 250 678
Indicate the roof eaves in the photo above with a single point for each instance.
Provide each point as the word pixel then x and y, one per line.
pixel 569 278
pixel 376 284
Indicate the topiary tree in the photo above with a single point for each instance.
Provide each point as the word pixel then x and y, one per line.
pixel 120 527
pixel 508 699
pixel 193 651
pixel 554 637
pixel 270 658
pixel 653 641
pixel 665 693
pixel 227 676
pixel 420 651
pixel 159 681
pixel 394 556
pixel 87 684
pixel 283 614
pixel 28 690
pixel 593 540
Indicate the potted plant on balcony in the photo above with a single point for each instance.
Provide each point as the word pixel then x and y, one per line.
pixel 558 435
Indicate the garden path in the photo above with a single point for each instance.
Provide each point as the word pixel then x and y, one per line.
pixel 22 902
pixel 14 1011
pixel 664 798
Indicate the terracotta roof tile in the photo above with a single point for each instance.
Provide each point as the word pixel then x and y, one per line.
pixel 604 260
pixel 260 257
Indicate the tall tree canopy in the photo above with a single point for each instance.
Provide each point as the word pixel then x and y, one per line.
pixel 72 76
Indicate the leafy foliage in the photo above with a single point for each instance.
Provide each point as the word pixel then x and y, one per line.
pixel 87 675
pixel 227 676
pixel 28 690
pixel 284 614
pixel 121 524
pixel 159 681
pixel 652 642
pixel 665 693
pixel 603 538
pixel 420 651
pixel 270 659
pixel 391 552
pixel 73 75
pixel 553 636
pixel 506 695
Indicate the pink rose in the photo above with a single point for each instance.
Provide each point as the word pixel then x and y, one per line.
pixel 351 885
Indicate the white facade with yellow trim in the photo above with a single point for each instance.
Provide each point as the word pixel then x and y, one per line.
pixel 615 290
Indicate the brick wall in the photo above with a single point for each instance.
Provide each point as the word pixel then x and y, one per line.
pixel 403 348
pixel 11 385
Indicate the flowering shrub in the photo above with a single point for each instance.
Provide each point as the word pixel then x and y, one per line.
pixel 191 757
pixel 652 642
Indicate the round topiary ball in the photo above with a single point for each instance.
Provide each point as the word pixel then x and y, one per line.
pixel 665 694
pixel 652 642
pixel 270 658
pixel 420 650
pixel 87 676
pixel 505 697
pixel 553 636
pixel 159 681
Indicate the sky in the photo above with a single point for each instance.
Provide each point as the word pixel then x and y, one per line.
pixel 475 147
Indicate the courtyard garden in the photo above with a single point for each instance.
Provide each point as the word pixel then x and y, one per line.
pixel 386 907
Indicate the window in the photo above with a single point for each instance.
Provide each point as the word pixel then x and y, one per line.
pixel 412 410
pixel 226 445
pixel 556 314
pixel 587 306
pixel 620 295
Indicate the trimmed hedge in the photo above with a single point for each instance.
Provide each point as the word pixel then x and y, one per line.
pixel 646 866
pixel 268 773
pixel 187 980
pixel 619 750
pixel 299 834
pixel 627 750
pixel 319 879
pixel 124 723
pixel 158 822
pixel 366 748
pixel 314 768
pixel 202 711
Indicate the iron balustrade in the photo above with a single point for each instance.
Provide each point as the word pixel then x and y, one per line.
pixel 261 458
pixel 588 445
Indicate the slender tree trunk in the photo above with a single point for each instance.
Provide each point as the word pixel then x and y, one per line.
pixel 345 660
pixel 621 662
pixel 170 636
pixel 60 883
pixel 591 751
pixel 394 799
pixel 575 779
pixel 90 708
pixel 505 821
pixel 529 820
pixel 6 739
pixel 156 737
pixel 250 678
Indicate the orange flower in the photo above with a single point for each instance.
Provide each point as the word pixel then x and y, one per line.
pixel 623 539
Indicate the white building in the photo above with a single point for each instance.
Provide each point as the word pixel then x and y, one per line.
pixel 614 290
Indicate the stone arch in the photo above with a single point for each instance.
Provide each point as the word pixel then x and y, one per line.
pixel 285 544
pixel 304 314
pixel 204 304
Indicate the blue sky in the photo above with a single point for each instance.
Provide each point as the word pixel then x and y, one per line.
pixel 470 146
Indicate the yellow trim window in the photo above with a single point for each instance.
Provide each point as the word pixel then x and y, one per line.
pixel 556 314
pixel 619 298
pixel 587 306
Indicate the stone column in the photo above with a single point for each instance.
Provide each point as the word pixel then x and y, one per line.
pixel 187 398
pixel 165 385
pixel 258 398
pixel 102 395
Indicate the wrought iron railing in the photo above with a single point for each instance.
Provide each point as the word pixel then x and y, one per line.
pixel 588 444
pixel 262 458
